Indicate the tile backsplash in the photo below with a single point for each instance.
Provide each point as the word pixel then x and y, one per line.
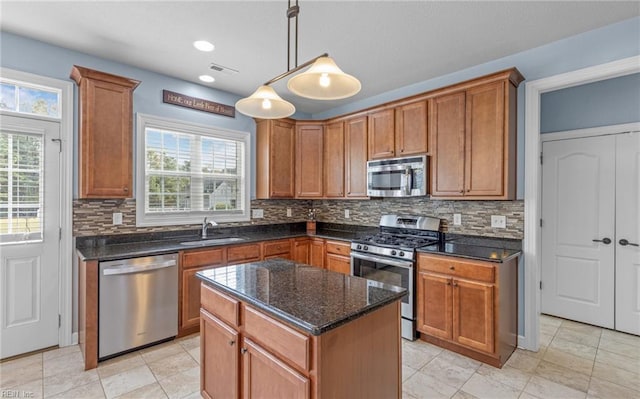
pixel 94 217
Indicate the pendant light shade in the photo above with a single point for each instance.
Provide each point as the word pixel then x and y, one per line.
pixel 265 103
pixel 324 81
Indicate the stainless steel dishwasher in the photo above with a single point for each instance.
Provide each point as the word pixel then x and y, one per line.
pixel 138 303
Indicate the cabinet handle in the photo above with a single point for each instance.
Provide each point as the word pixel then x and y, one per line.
pixel 243 350
pixel 232 342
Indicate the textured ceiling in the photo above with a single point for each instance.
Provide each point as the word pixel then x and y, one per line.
pixel 386 44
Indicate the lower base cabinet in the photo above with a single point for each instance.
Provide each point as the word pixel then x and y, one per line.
pixel 220 359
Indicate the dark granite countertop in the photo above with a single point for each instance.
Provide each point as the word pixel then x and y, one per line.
pixel 479 248
pixel 312 299
pixel 103 248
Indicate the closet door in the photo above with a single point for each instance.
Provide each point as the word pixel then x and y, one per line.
pixel 628 232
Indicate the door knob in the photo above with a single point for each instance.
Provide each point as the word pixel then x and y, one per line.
pixel 624 242
pixel 605 240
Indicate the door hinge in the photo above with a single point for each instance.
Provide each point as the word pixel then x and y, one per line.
pixel 541 157
pixel 541 222
pixel 59 320
pixel 540 284
pixel 59 233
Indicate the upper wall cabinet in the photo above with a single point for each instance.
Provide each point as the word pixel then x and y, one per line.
pixel 105 134
pixel 309 160
pixel 275 159
pixel 355 157
pixel 334 145
pixel 473 139
pixel 398 132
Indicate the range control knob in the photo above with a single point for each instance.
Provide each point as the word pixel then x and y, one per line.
pixel 365 248
pixel 359 246
pixel 401 253
pixel 393 252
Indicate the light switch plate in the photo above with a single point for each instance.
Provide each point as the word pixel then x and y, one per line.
pixel 499 222
pixel 457 219
pixel 117 218
pixel 257 213
pixel 347 214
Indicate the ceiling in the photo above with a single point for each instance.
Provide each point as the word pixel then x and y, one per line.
pixel 385 44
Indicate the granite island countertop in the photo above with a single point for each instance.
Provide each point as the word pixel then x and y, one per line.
pixel 312 299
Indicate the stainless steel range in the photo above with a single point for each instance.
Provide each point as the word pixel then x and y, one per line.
pixel 390 257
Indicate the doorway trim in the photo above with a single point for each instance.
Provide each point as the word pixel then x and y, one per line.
pixel 533 179
pixel 65 262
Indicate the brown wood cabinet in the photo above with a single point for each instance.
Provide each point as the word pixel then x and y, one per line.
pixel 411 129
pixel 334 172
pixel 275 159
pixel 301 250
pixel 355 153
pixel 243 253
pixel 316 252
pixel 468 306
pixel 105 133
pixel 277 249
pixel 220 358
pixel 381 134
pixel 309 160
pixel 473 135
pixel 338 257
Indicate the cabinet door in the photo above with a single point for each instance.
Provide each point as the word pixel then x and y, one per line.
pixel 106 152
pixel 411 129
pixel 382 134
pixel 301 250
pixel 190 308
pixel 447 126
pixel 220 362
pixel 434 305
pixel 355 141
pixel 316 252
pixel 334 160
pixel 473 314
pixel 485 140
pixel 266 376
pixel 282 160
pixel 339 263
pixel 309 163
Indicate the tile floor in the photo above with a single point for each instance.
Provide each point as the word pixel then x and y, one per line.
pixel 575 361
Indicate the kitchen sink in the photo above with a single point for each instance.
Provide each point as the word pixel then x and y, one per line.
pixel 212 241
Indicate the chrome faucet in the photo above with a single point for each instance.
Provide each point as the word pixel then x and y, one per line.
pixel 205 225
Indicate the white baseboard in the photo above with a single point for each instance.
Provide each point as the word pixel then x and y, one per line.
pixel 74 338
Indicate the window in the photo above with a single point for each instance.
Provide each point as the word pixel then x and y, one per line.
pixel 188 171
pixel 29 99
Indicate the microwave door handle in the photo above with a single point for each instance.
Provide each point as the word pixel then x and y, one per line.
pixel 406 181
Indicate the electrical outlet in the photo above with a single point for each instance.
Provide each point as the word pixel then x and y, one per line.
pixel 257 213
pixel 347 214
pixel 288 212
pixel 117 218
pixel 499 222
pixel 457 219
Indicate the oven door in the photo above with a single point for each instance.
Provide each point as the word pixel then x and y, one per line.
pixel 389 271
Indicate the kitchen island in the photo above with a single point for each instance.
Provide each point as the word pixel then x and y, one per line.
pixel 277 328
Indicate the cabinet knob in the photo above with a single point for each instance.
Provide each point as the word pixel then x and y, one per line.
pixel 125 189
pixel 461 191
pixel 452 268
pixel 448 282
pixel 455 284
pixel 232 342
pixel 243 350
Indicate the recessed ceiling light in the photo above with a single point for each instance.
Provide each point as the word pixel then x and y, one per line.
pixel 203 45
pixel 207 78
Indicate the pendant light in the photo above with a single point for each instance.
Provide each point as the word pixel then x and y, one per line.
pixel 323 81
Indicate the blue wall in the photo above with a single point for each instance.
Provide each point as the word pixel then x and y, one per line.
pixel 608 102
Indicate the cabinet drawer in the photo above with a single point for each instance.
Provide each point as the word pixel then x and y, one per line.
pixel 468 269
pixel 203 257
pixel 338 248
pixel 220 305
pixel 277 247
pixel 246 253
pixel 280 339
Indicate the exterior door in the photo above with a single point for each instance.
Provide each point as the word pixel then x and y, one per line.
pixel 628 228
pixel 578 208
pixel 29 234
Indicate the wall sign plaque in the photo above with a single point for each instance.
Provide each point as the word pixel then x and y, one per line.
pixel 199 104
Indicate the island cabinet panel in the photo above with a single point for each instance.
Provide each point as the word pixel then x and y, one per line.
pixel 222 306
pixel 309 160
pixel 355 153
pixel 301 250
pixel 105 133
pixel 334 172
pixel 381 136
pixel 220 358
pixel 275 159
pixel 266 376
pixel 411 129
pixel 469 306
pixel 316 252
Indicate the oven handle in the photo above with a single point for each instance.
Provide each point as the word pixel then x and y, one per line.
pixel 392 262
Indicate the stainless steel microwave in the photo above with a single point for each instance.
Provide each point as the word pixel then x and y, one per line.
pixel 397 177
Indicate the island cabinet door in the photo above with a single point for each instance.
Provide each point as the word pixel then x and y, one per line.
pixel 434 305
pixel 220 359
pixel 473 314
pixel 266 376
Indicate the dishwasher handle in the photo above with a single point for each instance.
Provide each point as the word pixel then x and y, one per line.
pixel 125 269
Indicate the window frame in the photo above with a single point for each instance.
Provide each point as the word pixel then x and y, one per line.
pixel 144 121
